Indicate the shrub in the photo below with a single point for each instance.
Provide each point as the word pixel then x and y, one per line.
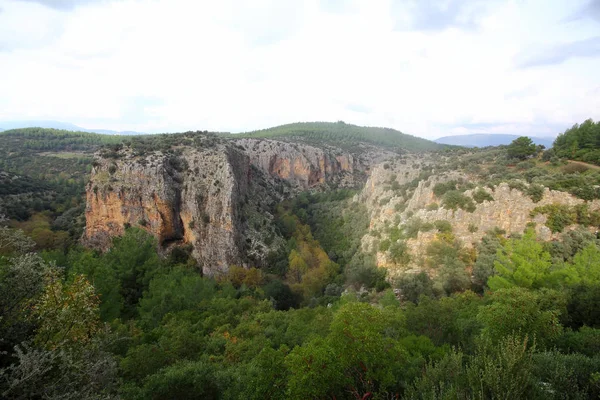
pixel 384 245
pixel 443 226
pixel 439 189
pixel 559 216
pixel 454 199
pixel 516 184
pixel 432 206
pixel 384 201
pixel 399 253
pixel 473 228
pixel 536 192
pixel 481 195
pixel 574 168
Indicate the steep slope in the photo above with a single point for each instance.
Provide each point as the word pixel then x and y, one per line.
pixel 414 202
pixel 215 195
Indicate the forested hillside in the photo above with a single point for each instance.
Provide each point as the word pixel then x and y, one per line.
pixel 344 135
pixel 460 274
pixel 581 142
pixel 43 174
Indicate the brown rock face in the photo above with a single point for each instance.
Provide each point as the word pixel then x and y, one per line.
pixel 215 198
pixel 192 199
pixel 302 165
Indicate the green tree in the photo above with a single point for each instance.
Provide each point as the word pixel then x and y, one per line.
pixel 67 314
pixel 522 262
pixel 522 312
pixel 521 148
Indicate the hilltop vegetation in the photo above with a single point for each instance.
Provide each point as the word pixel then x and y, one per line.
pixel 346 136
pixel 581 142
pixel 43 174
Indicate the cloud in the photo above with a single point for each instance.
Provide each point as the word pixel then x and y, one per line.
pixel 560 53
pixel 62 5
pixel 233 65
pixel 265 22
pixel 437 15
pixel 589 10
pixel 41 29
pixel 359 108
pixel 337 6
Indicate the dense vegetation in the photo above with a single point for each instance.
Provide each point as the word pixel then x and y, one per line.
pixel 42 178
pixel 581 142
pixel 134 325
pixel 345 135
pixel 513 318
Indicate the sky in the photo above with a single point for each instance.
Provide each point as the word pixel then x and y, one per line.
pixel 427 68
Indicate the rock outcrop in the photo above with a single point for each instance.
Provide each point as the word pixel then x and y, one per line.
pixel 414 199
pixel 217 198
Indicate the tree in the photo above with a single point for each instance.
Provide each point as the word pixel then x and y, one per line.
pixel 67 314
pixel 521 262
pixel 521 148
pixel 523 312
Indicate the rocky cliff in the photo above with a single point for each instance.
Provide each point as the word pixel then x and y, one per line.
pixel 400 194
pixel 215 197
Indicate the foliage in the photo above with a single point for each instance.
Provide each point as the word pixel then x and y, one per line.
pixel 454 199
pixel 524 263
pixel 521 148
pixel 67 314
pixel 481 195
pixel 561 216
pixel 536 192
pixel 581 142
pixel 517 311
pixel 345 135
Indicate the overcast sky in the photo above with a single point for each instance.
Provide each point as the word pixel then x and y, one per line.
pixel 428 68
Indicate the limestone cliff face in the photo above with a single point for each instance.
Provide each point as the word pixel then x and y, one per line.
pixel 192 198
pixel 216 198
pixel 303 166
pixel 510 209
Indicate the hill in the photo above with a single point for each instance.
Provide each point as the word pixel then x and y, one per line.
pixel 8 125
pixel 345 135
pixel 486 139
pixel 463 273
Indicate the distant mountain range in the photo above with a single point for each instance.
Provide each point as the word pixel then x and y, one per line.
pixel 488 139
pixel 6 125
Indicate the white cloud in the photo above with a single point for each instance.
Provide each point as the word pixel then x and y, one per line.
pixel 171 65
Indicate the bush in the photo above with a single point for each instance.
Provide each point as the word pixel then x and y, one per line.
pixel 384 245
pixel 454 199
pixel 443 226
pixel 481 195
pixel 574 168
pixel 516 184
pixel 536 192
pixel 439 189
pixel 432 206
pixel 413 286
pixel 399 253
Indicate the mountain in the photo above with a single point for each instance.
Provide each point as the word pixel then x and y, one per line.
pixel 7 125
pixel 344 135
pixel 488 139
